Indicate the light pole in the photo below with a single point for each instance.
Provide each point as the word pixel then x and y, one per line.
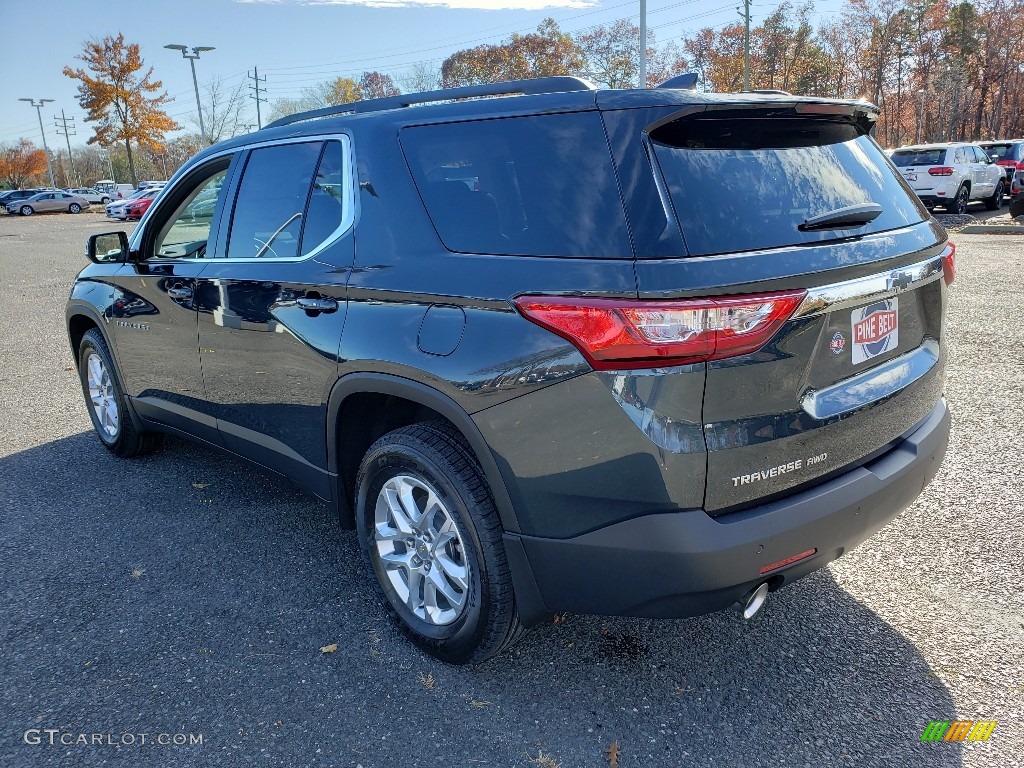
pixel 46 149
pixel 920 117
pixel 643 44
pixel 110 164
pixel 196 50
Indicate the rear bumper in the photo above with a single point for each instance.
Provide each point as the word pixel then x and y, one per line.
pixel 688 563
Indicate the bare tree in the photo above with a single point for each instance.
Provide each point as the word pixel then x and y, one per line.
pixel 420 77
pixel 225 110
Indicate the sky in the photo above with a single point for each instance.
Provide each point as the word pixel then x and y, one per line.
pixel 295 43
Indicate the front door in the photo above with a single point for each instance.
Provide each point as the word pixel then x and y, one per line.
pixel 272 310
pixel 155 306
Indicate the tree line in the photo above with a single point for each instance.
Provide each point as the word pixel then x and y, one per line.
pixel 939 70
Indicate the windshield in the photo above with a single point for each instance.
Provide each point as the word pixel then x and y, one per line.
pixel 904 157
pixel 741 184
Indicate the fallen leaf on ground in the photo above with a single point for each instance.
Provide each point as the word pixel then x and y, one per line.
pixel 613 753
pixel 329 648
pixel 199 486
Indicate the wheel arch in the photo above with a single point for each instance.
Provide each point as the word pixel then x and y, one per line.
pixel 415 401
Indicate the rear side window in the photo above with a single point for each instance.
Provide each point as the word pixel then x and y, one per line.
pixel 904 158
pixel 271 200
pixel 740 184
pixel 538 185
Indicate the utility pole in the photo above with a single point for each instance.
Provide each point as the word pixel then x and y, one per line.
pixel 63 130
pixel 255 77
pixel 745 13
pixel 46 149
pixel 643 44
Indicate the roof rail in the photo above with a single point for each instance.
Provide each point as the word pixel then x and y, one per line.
pixel 526 87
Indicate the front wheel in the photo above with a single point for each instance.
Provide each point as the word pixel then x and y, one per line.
pixel 995 202
pixel 105 400
pixel 430 534
pixel 74 208
pixel 104 200
pixel 26 210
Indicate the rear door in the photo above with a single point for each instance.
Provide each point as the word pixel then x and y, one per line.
pixel 859 363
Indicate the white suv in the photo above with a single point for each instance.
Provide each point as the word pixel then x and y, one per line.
pixel 951 175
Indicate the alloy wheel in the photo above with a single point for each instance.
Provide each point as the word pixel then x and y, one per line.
pixel 102 397
pixel 420 548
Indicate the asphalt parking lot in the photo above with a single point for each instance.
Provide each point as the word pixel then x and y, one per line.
pixel 187 594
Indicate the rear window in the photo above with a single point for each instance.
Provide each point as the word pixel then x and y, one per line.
pixel 903 158
pixel 999 151
pixel 538 185
pixel 745 184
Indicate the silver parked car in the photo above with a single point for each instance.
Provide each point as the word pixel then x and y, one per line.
pixel 44 202
pixel 92 195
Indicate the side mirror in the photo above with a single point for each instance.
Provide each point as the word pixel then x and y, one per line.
pixel 108 248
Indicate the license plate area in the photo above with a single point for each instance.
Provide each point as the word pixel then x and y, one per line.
pixel 874 330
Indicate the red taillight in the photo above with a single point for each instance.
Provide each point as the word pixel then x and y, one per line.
pixel 949 263
pixel 616 334
pixel 1020 165
pixel 941 170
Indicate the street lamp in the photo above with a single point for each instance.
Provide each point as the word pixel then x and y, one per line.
pixel 196 50
pixel 46 149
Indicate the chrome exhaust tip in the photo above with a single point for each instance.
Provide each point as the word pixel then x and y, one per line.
pixel 755 601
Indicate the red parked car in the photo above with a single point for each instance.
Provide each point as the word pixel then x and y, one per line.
pixel 136 208
pixel 1008 154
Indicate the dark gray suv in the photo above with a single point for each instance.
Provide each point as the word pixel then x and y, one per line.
pixel 637 352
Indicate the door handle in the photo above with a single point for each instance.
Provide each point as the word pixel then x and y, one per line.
pixel 180 294
pixel 316 304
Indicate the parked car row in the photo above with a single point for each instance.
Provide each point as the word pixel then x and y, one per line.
pixel 133 206
pixel 74 200
pixel 46 202
pixel 952 175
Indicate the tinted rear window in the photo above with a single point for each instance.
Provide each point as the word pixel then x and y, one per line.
pixel 902 159
pixel 999 151
pixel 538 185
pixel 746 184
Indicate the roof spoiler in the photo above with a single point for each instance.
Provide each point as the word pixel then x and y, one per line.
pixel 687 82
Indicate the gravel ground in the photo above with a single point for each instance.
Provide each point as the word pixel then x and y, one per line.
pixel 136 603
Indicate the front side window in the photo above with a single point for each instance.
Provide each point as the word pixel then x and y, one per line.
pixel 271 201
pixel 187 230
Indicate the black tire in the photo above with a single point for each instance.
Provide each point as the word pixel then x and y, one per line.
pixel 26 210
pixel 958 205
pixel 436 455
pixel 995 202
pixel 104 200
pixel 74 208
pixel 125 440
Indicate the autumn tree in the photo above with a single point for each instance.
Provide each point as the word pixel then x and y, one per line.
pixel 544 53
pixel 20 163
pixel 375 85
pixel 125 104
